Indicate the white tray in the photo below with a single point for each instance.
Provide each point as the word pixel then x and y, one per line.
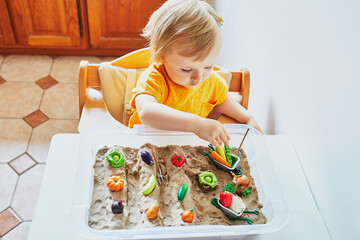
pixel 261 170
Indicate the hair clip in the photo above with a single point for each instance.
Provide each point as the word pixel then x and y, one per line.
pixel 221 21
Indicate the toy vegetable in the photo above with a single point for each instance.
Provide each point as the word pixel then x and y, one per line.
pixel 220 150
pixel 115 159
pixel 152 211
pixel 228 154
pixel 246 192
pixel 230 188
pixel 117 207
pixel 188 216
pixel 178 160
pixel 115 183
pixel 217 156
pixel 182 191
pixel 146 157
pixel 226 199
pixel 150 185
pixel 208 178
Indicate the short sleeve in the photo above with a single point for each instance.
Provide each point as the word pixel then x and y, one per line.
pixel 150 82
pixel 222 89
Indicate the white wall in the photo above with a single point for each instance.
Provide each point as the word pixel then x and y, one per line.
pixel 304 62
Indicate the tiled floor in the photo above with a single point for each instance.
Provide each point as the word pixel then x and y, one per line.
pixel 38 98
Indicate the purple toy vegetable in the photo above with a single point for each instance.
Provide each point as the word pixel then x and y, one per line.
pixel 146 157
pixel 117 207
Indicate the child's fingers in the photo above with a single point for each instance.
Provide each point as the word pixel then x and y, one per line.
pixel 218 142
pixel 224 138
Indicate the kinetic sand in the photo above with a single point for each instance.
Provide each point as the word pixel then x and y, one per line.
pixel 136 173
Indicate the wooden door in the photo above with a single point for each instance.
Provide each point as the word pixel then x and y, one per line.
pixel 117 24
pixel 6 32
pixel 46 23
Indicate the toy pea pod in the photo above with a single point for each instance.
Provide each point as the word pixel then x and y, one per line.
pixel 228 154
pixel 115 159
pixel 182 191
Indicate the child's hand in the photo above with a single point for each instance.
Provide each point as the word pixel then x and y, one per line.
pixel 212 131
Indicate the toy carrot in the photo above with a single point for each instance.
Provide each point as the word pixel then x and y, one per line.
pixel 218 158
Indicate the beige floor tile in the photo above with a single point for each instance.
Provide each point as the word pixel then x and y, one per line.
pixel 41 137
pixel 22 163
pixel 66 68
pixel 27 191
pixel 8 180
pixel 19 99
pixel 14 137
pixel 61 101
pixel 19 232
pixel 28 68
pixel 8 220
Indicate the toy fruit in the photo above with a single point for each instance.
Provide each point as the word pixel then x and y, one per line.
pixel 188 216
pixel 240 180
pixel 115 183
pixel 146 157
pixel 152 211
pixel 208 178
pixel 178 160
pixel 150 185
pixel 182 191
pixel 226 199
pixel 115 159
pixel 117 207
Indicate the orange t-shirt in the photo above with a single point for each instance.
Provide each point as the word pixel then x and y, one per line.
pixel 199 100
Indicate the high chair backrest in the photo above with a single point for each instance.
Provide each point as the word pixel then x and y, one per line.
pixel 128 68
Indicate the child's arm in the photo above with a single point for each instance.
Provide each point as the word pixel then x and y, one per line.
pixel 162 117
pixel 234 110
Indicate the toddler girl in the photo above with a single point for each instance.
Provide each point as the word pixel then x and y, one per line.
pixel 179 90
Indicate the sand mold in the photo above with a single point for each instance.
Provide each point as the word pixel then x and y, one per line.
pixel 136 173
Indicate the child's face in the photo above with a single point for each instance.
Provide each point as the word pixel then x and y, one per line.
pixel 186 71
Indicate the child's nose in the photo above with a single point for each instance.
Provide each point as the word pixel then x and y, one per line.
pixel 196 75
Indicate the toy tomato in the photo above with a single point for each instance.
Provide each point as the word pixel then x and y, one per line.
pixel 115 183
pixel 188 216
pixel 226 199
pixel 178 160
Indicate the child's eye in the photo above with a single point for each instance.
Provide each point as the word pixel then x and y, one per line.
pixel 186 70
pixel 208 68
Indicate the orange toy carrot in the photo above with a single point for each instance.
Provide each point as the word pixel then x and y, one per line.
pixel 218 158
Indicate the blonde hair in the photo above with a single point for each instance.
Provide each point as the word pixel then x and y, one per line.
pixel 192 23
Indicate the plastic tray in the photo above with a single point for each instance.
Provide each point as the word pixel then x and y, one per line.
pixel 261 169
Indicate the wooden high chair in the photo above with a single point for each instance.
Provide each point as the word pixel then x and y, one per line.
pixel 93 109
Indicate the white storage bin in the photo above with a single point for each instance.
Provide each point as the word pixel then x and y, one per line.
pixel 260 165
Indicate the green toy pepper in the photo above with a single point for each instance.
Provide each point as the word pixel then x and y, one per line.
pixel 115 159
pixel 208 178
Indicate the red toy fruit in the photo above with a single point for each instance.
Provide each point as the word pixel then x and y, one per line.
pixel 178 160
pixel 226 199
